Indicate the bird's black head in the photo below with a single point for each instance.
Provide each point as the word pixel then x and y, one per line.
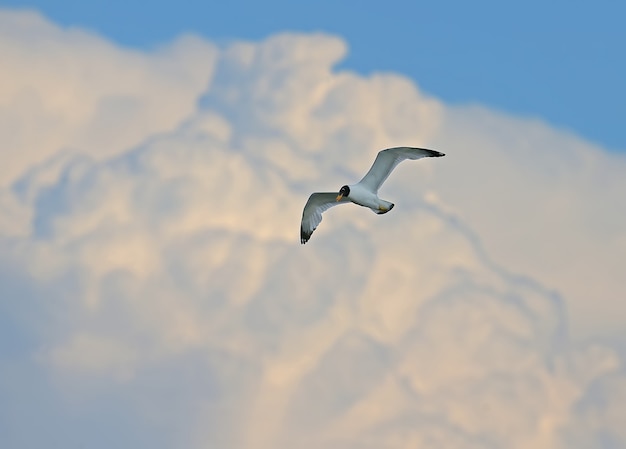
pixel 344 191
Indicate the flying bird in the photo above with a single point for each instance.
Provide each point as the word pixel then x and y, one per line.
pixel 364 193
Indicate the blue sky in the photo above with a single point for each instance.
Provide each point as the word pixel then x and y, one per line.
pixel 561 61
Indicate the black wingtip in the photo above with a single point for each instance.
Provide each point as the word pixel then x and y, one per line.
pixel 304 236
pixel 432 153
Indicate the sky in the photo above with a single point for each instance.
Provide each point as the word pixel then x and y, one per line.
pixel 154 292
pixel 560 61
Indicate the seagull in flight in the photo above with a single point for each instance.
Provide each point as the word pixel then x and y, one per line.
pixel 364 193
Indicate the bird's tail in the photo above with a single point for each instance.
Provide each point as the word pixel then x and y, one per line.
pixel 384 208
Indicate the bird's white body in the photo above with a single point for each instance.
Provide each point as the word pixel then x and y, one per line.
pixel 364 193
pixel 363 196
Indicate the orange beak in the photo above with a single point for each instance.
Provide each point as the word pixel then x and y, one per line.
pixel 339 196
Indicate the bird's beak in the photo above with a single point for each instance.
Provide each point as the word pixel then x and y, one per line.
pixel 339 196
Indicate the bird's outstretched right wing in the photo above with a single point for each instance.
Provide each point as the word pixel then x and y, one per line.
pixel 312 214
pixel 386 161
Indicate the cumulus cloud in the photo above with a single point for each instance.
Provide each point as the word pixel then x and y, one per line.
pixel 544 203
pixel 154 292
pixel 67 89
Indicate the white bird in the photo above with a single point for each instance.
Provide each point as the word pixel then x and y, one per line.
pixel 364 193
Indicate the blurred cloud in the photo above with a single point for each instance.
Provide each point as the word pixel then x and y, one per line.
pixel 154 292
pixel 68 89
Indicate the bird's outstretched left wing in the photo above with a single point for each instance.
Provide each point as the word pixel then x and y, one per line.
pixel 312 214
pixel 386 161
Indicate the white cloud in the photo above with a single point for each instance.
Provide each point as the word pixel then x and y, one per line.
pixel 153 284
pixel 69 89
pixel 88 354
pixel 545 204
